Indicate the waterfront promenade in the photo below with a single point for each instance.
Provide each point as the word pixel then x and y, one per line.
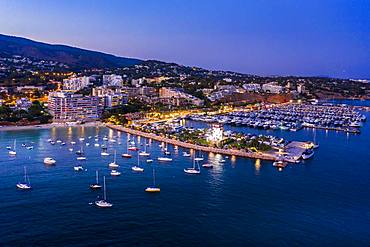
pixel 262 156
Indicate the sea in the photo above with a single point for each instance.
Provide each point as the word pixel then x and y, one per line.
pixel 240 202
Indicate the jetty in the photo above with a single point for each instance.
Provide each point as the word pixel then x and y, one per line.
pixel 231 152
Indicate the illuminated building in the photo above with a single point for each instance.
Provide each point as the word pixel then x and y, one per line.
pixel 66 106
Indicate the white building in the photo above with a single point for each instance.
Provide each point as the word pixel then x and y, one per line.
pixel 137 82
pixel 272 87
pixel 252 87
pixel 76 83
pixel 23 104
pixel 301 89
pixel 111 97
pixel 215 134
pixel 112 80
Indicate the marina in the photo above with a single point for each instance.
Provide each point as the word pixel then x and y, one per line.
pixel 268 191
pixel 293 117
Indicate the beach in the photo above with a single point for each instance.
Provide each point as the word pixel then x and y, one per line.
pixel 48 126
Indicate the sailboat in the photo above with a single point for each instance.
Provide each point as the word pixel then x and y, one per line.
pixel 104 152
pixel 96 186
pixel 154 188
pixel 199 158
pixel 127 155
pixel 186 154
pixel 81 151
pixel 114 164
pixel 193 170
pixel 166 152
pixel 137 168
pixel 103 203
pixel 26 185
pixel 13 152
pixel 144 153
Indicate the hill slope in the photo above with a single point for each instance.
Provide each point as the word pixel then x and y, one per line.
pixel 75 58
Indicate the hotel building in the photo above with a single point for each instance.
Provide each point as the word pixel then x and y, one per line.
pixel 66 107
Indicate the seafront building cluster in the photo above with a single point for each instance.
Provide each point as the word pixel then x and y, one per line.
pixel 150 100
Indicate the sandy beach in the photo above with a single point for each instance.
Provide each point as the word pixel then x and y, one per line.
pixel 49 126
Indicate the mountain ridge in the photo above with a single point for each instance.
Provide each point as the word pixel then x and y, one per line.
pixel 74 57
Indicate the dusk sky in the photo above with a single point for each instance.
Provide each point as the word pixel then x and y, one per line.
pixel 320 37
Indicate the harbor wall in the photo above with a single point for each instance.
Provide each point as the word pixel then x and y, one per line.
pixel 239 153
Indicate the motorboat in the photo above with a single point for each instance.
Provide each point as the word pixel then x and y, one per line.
pixel 185 154
pixel 96 145
pixel 137 169
pixel 81 158
pixel 126 155
pixel 280 164
pixel 143 153
pixel 307 154
pixel 149 161
pixel 164 159
pixel 78 168
pixel 207 165
pixel 49 161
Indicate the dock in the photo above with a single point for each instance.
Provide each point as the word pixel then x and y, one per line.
pixel 230 152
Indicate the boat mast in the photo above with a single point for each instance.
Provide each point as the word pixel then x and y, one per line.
pixel 25 174
pixel 105 197
pixel 97 177
pixel 153 177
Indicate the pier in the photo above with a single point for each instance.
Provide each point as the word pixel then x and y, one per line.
pixel 231 152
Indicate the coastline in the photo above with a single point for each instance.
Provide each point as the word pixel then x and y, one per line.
pixel 231 152
pixel 48 126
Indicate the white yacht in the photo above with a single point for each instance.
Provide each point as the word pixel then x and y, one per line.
pixel 103 203
pixel 207 165
pixel 26 185
pixel 164 159
pixel 78 168
pixel 114 163
pixel 144 153
pixel 96 186
pixel 13 152
pixel 185 154
pixel 193 170
pixel 115 173
pixel 81 158
pixel 137 168
pixel 49 161
pixel 307 154
pixel 153 188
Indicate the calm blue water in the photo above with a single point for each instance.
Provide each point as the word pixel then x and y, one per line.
pixel 242 202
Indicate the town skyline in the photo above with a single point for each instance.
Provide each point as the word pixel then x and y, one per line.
pixel 310 47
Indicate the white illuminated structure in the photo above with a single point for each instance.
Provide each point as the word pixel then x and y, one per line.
pixel 215 133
